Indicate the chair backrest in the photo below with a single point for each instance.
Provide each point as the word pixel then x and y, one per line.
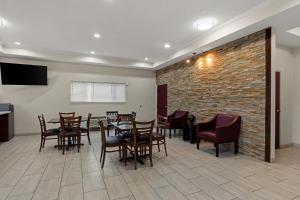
pixel 102 131
pixel 69 114
pixel 133 115
pixel 70 123
pixel 112 116
pixel 88 121
pixel 181 113
pixel 142 130
pixel 42 123
pixel 124 118
pixel 224 119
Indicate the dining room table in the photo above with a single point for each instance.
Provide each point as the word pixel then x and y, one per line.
pixel 57 121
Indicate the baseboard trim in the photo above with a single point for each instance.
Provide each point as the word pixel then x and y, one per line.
pixel 286 145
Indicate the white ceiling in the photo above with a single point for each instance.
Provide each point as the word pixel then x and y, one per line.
pixel 130 29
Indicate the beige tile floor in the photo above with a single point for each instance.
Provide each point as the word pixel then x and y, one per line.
pixel 186 173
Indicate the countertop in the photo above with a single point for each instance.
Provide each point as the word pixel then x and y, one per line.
pixel 4 112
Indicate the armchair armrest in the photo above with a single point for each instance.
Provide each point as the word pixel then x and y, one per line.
pixel 209 125
pixel 161 119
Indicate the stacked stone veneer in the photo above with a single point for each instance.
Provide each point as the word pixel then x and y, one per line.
pixel 228 79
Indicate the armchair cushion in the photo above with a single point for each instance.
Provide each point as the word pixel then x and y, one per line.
pixel 207 135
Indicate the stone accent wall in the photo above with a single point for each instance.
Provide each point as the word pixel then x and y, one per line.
pixel 228 79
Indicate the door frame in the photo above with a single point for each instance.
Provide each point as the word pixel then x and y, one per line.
pixel 277 108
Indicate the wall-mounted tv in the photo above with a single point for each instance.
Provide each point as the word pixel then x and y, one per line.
pixel 19 74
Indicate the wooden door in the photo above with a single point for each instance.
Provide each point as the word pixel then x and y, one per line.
pixel 277 110
pixel 162 99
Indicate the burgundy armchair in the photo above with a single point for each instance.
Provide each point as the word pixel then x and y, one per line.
pixel 221 129
pixel 178 120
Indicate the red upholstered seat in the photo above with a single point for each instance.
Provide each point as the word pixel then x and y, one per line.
pixel 221 129
pixel 178 120
pixel 207 135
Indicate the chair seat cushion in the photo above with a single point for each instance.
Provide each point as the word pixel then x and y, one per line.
pixel 138 142
pixel 113 140
pixel 50 132
pixel 69 133
pixel 157 136
pixel 207 135
pixel 125 134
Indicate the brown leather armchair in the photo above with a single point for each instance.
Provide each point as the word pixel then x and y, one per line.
pixel 221 129
pixel 178 120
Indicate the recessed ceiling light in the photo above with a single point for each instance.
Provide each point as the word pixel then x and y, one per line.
pixel 97 35
pixel 167 46
pixel 18 43
pixel 205 23
pixel 188 61
pixel 92 52
pixel 146 58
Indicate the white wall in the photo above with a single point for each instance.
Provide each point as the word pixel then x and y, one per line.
pixel 296 99
pixel 29 101
pixel 285 65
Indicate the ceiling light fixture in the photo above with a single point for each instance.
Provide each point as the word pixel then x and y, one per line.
pixel 167 46
pixel 92 52
pixel 188 61
pixel 97 35
pixel 146 58
pixel 18 43
pixel 205 23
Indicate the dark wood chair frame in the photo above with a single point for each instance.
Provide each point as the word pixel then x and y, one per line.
pixel 86 130
pixel 160 139
pixel 70 128
pixel 122 145
pixel 144 134
pixel 109 120
pixel 47 134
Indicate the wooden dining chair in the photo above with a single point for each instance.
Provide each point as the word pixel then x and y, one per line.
pixel 111 117
pixel 124 118
pixel 160 139
pixel 141 140
pixel 47 134
pixel 67 114
pixel 68 131
pixel 111 142
pixel 85 131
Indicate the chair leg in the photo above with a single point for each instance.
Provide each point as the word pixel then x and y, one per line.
pixel 236 147
pixel 88 136
pixel 103 159
pixel 78 143
pixel 41 143
pixel 125 154
pixel 198 142
pixel 107 131
pixel 217 149
pixel 44 139
pixel 119 151
pixel 165 147
pixel 101 153
pixel 158 146
pixel 135 157
pixel 150 155
pixel 63 145
pixel 170 133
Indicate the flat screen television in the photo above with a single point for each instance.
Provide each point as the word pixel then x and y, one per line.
pixel 19 74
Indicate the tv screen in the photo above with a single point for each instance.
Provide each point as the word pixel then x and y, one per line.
pixel 19 74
